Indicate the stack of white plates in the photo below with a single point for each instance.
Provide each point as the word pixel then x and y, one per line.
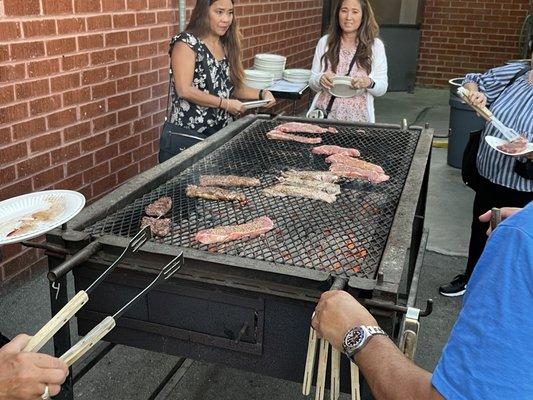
pixel 272 63
pixel 297 75
pixel 257 79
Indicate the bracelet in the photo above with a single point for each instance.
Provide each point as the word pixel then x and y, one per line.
pixel 220 103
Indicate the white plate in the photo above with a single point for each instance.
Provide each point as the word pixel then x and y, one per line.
pixel 295 72
pixel 34 214
pixel 342 87
pixel 255 104
pixel 257 84
pixel 270 57
pixel 257 74
pixel 494 142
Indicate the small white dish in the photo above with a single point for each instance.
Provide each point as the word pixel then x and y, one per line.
pixel 494 142
pixel 342 87
pixel 270 57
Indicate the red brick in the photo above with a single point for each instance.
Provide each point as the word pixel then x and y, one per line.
pixel 113 5
pixel 60 46
pixel 33 165
pixel 45 105
pixel 77 61
pixel 62 118
pixel 4 53
pixel 124 21
pixel 9 31
pixel 77 132
pixel 7 176
pixel 45 142
pixel 71 183
pixel 104 185
pixel 104 122
pixel 166 17
pixel 94 76
pixel 44 27
pixel 9 73
pixel 149 107
pixel 29 128
pixel 147 50
pixel 17 266
pixel 146 18
pixel 38 88
pixel 5 136
pixel 119 133
pixel 95 173
pixel 141 124
pixel 21 187
pixel 139 65
pixel 94 142
pixel 104 90
pixel 142 35
pixel 98 23
pixel 65 82
pixel 57 6
pixel 22 8
pixel 127 173
pixel 157 4
pixel 80 164
pixel 117 102
pixel 158 33
pixel 102 57
pixel 26 51
pixel 128 84
pixel 87 6
pixel 47 178
pixel 116 39
pixel 106 153
pixel 136 4
pixel 13 113
pixel 90 42
pixel 128 115
pixel 119 70
pixel 70 25
pixel 43 68
pixel 129 144
pixel 92 110
pixel 77 96
pixel 7 94
pixel 142 152
pixel 67 152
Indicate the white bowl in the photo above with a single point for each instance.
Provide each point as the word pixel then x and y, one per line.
pixel 270 57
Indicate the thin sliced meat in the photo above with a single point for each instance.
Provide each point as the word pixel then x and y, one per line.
pixel 159 207
pixel 214 193
pixel 279 135
pixel 228 180
pixel 328 150
pixel 304 128
pixel 326 187
pixel 516 146
pixel 159 227
pixel 354 162
pixel 227 233
pixel 282 190
pixel 358 173
pixel 323 176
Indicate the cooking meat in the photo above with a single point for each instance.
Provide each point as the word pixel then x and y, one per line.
pixel 328 150
pixel 516 146
pixel 228 180
pixel 358 173
pixel 159 227
pixel 279 135
pixel 327 187
pixel 354 162
pixel 323 176
pixel 214 193
pixel 159 207
pixel 56 207
pixel 283 190
pixel 304 128
pixel 227 233
pixel 24 228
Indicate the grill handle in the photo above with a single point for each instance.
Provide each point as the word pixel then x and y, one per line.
pixel 81 256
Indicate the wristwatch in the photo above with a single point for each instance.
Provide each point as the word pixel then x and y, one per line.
pixel 373 84
pixel 357 337
pixel 261 94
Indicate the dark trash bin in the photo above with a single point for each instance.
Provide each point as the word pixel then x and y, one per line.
pixel 463 120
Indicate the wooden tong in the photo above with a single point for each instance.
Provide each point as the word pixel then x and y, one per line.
pixel 81 298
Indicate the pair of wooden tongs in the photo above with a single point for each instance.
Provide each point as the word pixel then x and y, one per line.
pixel 109 322
pixel 79 300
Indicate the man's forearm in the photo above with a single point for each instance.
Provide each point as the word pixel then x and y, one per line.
pixel 391 375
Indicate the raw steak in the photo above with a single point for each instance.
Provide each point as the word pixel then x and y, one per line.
pixel 326 187
pixel 227 233
pixel 228 180
pixel 516 146
pixel 214 193
pixel 159 207
pixel 283 190
pixel 159 227
pixel 279 135
pixel 358 173
pixel 354 162
pixel 323 176
pixel 304 128
pixel 330 149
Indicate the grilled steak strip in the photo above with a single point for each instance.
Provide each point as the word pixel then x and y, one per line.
pixel 323 176
pixel 159 207
pixel 304 128
pixel 328 150
pixel 214 193
pixel 358 173
pixel 279 135
pixel 354 162
pixel 283 190
pixel 228 180
pixel 159 227
pixel 326 187
pixel 516 146
pixel 227 233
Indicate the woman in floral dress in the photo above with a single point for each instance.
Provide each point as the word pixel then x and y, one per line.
pixel 353 34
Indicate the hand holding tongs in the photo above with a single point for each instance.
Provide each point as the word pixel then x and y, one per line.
pixel 78 301
pixel 509 133
pixel 109 322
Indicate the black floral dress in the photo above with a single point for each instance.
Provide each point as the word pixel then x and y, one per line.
pixel 215 80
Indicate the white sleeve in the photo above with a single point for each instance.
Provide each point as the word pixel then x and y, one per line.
pixel 379 69
pixel 316 69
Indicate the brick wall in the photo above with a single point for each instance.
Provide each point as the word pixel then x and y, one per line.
pixel 468 36
pixel 83 90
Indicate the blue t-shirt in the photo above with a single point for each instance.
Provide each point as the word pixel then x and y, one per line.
pixel 489 354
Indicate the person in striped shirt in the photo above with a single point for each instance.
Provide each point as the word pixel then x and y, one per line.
pixel 505 180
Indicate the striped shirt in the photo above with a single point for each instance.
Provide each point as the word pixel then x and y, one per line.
pixel 513 106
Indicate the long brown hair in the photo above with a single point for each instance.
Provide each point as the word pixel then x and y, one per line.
pixel 231 41
pixel 366 34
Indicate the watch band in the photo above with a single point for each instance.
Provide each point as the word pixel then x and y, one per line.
pixel 373 84
pixel 357 337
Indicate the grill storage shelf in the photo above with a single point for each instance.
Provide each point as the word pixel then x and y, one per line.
pixel 247 303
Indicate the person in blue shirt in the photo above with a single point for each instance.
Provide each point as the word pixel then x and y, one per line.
pixel 489 354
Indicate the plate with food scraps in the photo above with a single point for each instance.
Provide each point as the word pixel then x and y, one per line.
pixel 255 104
pixel 342 87
pixel 33 214
pixel 496 143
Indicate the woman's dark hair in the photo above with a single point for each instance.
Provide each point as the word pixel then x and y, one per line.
pixel 366 34
pixel 231 41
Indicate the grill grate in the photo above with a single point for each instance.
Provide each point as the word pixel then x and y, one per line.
pixel 346 237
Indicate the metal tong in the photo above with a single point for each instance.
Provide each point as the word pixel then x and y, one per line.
pixel 495 218
pixel 79 300
pixel 509 133
pixel 109 322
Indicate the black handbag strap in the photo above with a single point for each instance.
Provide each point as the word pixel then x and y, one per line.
pixel 332 99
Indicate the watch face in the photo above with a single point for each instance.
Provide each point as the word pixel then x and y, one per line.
pixel 354 338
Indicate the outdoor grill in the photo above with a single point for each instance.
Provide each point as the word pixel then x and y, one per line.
pixel 247 303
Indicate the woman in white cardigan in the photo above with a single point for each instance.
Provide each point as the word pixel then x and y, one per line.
pixel 353 36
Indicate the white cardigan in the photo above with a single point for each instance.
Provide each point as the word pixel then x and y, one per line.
pixel 378 74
